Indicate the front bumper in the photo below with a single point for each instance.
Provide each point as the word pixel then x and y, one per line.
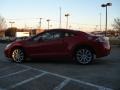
pixel 7 53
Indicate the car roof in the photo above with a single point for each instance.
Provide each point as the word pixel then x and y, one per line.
pixel 62 30
pixel 76 32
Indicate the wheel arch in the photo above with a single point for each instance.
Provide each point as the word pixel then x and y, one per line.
pixel 84 46
pixel 89 48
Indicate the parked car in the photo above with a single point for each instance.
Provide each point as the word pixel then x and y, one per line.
pixel 19 38
pixel 60 43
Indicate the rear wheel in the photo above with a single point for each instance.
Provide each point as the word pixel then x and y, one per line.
pixel 84 55
pixel 18 55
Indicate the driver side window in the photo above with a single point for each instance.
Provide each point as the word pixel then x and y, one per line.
pixel 43 37
pixel 47 36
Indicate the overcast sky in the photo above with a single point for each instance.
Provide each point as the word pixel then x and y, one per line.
pixel 84 14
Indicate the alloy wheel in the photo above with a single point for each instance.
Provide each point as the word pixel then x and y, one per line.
pixel 84 56
pixel 18 55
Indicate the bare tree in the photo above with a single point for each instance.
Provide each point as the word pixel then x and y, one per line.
pixel 116 24
pixel 2 23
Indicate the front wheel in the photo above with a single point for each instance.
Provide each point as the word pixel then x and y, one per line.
pixel 18 55
pixel 84 55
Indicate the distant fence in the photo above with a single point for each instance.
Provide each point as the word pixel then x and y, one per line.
pixel 114 40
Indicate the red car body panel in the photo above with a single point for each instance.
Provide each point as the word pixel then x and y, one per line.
pixel 63 47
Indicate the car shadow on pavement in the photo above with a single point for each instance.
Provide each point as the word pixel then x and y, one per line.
pixel 101 61
pixel 51 61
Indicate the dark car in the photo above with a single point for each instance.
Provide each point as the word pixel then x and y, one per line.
pixel 19 38
pixel 59 43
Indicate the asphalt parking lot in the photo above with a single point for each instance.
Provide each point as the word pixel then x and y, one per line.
pixel 104 74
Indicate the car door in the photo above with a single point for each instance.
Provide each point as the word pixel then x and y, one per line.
pixel 49 44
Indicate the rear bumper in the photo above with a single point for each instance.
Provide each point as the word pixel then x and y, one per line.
pixel 102 50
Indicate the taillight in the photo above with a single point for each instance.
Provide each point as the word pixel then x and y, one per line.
pixel 102 39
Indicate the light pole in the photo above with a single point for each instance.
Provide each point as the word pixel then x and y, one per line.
pixel 11 23
pixel 48 20
pixel 40 22
pixel 105 5
pixel 66 15
pixel 60 18
pixel 100 21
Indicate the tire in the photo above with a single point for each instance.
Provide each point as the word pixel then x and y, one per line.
pixel 18 55
pixel 84 56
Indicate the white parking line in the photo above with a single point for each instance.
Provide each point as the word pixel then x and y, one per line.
pixel 27 80
pixel 79 81
pixel 91 84
pixel 61 85
pixel 14 73
pixel 82 82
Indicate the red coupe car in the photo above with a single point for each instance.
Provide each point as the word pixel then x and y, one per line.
pixel 57 43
